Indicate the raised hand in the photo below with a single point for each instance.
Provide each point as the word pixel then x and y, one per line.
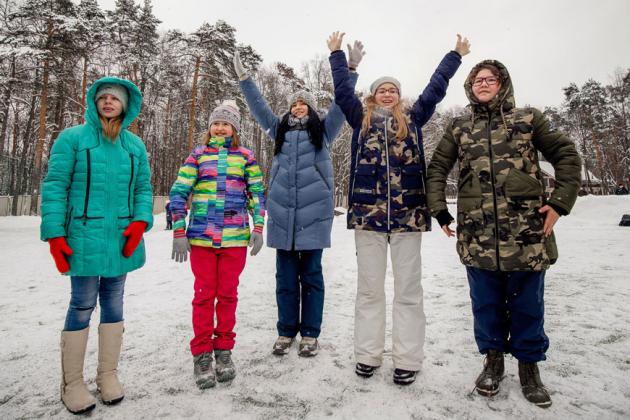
pixel 462 47
pixel 238 67
pixel 355 54
pixel 334 41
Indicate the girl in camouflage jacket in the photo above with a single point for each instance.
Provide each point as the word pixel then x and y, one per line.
pixel 387 206
pixel 504 222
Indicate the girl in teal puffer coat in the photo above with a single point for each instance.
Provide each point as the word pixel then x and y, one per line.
pixel 96 205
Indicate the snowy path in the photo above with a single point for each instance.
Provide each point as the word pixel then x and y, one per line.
pixel 588 322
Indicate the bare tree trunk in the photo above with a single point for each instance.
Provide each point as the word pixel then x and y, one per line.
pixel 39 147
pixel 83 89
pixel 5 107
pixel 193 103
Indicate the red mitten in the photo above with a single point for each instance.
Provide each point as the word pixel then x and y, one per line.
pixel 59 249
pixel 134 235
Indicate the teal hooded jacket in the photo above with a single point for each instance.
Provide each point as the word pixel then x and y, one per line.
pixel 95 187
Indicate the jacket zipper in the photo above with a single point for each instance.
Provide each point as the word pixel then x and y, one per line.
pixel 494 191
pixel 87 186
pixel 130 181
pixel 388 186
pixel 424 189
pixel 356 164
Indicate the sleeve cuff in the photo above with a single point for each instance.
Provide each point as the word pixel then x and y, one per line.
pixel 179 233
pixel 444 217
pixel 258 229
pixel 558 209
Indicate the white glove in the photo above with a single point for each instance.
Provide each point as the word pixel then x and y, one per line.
pixel 355 54
pixel 238 67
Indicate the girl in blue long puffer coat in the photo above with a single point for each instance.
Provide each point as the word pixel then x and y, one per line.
pixel 299 206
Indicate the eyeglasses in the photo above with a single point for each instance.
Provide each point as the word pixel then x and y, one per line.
pixel 490 81
pixel 391 91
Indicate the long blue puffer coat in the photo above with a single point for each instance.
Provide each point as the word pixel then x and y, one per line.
pixel 300 199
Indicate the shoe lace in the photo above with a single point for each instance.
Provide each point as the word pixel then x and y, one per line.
pixel 224 357
pixel 204 361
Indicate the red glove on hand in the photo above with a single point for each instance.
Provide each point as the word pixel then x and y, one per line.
pixel 59 249
pixel 134 235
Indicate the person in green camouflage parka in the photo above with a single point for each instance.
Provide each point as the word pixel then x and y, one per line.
pixel 504 222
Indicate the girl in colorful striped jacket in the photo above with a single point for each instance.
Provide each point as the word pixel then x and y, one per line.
pixel 226 184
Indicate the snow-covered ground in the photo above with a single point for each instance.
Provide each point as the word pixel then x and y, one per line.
pixel 588 323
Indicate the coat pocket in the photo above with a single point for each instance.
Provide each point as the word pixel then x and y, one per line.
pixel 364 186
pixel 520 185
pixel 470 220
pixel 469 186
pixel 412 184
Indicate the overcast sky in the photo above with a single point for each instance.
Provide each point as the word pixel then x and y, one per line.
pixel 546 44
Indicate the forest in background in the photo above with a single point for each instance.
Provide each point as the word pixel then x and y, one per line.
pixel 52 50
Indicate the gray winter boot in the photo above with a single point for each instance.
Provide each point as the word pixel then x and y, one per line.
pixel 531 385
pixel 74 394
pixel 282 345
pixel 204 374
pixel 225 366
pixel 109 344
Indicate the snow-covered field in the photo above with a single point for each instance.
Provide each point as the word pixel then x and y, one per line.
pixel 587 321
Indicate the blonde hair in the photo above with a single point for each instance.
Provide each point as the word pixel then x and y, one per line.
pixel 111 126
pixel 397 112
pixel 236 140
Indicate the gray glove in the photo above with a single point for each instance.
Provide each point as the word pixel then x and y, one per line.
pixel 256 242
pixel 238 67
pixel 181 248
pixel 355 54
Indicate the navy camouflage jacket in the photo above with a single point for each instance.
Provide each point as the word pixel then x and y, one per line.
pixel 387 176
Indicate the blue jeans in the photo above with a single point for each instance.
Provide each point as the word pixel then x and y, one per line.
pixel 85 290
pixel 509 312
pixel 299 277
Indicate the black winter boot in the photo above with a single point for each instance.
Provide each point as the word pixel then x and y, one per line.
pixel 487 383
pixel 364 370
pixel 531 385
pixel 404 377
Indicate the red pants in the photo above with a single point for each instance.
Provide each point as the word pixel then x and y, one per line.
pixel 216 273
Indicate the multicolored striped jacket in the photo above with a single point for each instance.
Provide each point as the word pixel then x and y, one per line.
pixel 226 184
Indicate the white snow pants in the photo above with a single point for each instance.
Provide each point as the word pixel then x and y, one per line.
pixel 408 319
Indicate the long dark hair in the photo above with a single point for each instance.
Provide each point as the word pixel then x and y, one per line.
pixel 314 126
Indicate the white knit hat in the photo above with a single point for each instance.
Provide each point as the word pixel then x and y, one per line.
pixel 228 112
pixel 116 90
pixel 382 80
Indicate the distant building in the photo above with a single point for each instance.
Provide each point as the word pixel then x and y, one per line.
pixel 590 185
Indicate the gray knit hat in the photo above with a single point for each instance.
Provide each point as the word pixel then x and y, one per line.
pixel 381 80
pixel 116 90
pixel 228 112
pixel 307 97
